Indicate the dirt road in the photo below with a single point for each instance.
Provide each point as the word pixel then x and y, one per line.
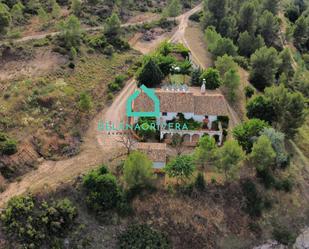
pixel 98 147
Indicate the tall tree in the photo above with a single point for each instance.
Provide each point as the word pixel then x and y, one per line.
pixel 262 155
pixel 271 5
pixel 248 18
pixel 71 32
pixel 246 132
pixel 113 26
pixel 229 159
pixel 225 63
pixel 137 170
pixel 218 9
pixel 286 63
pixel 260 107
pixel 17 12
pixel 248 44
pixel 269 27
pixel 290 109
pixel 264 66
pixel 150 74
pixel 204 152
pixel 300 33
pixel 231 82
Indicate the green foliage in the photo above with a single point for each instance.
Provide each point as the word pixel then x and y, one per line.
pixel 138 171
pixel 70 32
pixel 278 143
pixel 195 76
pixel 249 43
pixel 76 7
pixel 225 63
pixel 290 109
pixel 246 132
pixel 174 8
pixel 181 168
pixel 300 33
pixel 102 191
pixel 271 5
pixel 150 133
pixel 85 102
pixel 286 63
pixel 17 13
pixel 229 159
pixel 33 223
pixel 262 155
pixel 300 82
pixel 269 27
pixel 5 18
pixel 8 146
pixel 200 182
pixel 150 74
pixel 164 63
pixel 205 150
pixel 260 107
pixel 97 41
pixel 284 235
pixel 254 200
pixel 56 9
pixel 248 18
pixel 143 236
pixel 112 28
pixel 264 65
pixel 212 78
pixel 231 82
pixel 219 45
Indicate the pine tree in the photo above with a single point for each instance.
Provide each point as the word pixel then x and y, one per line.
pixel 231 82
pixel 150 74
pixel 174 8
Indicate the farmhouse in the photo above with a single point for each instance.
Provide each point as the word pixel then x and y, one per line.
pixel 202 110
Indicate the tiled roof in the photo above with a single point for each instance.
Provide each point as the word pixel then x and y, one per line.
pixel 155 151
pixel 193 101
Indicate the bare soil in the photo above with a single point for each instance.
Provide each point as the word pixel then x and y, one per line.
pixel 44 61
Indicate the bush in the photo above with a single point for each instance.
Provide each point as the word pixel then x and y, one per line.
pixel 212 78
pixel 8 146
pixel 34 223
pixel 284 185
pixel 102 190
pixel 242 61
pixel 254 201
pixel 141 237
pixel 200 183
pixel 249 91
pixel 284 235
pixel 196 17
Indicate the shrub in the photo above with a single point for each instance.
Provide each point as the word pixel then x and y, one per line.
pixel 249 91
pixel 8 146
pixel 285 185
pixel 138 171
pixel 200 183
pixel 254 201
pixel 143 236
pixel 284 235
pixel 101 189
pixel 85 102
pixel 212 78
pixel 33 222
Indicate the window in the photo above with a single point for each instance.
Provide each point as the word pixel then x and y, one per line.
pixel 164 114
